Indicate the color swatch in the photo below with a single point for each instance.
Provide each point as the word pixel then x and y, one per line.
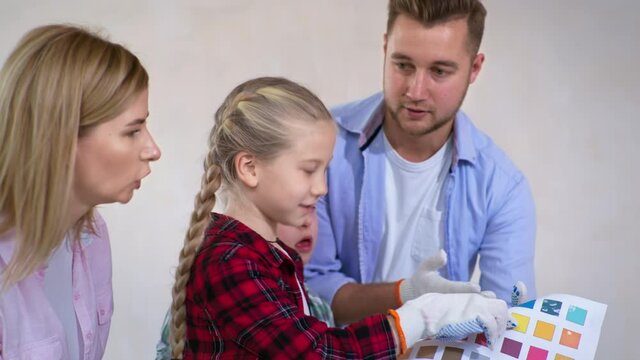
pixel 570 338
pixel 523 322
pixel 551 307
pixel 427 352
pixel 562 357
pixel 481 340
pixel 511 347
pixel 544 330
pixel 555 327
pixel 577 315
pixel 451 353
pixel 536 353
pixel 476 356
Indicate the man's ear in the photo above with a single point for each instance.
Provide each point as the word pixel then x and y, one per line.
pixel 476 66
pixel 384 44
pixel 245 164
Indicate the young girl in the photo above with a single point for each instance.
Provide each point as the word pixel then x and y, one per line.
pixel 73 108
pixel 300 238
pixel 238 291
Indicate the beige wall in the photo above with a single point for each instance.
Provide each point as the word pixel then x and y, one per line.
pixel 558 92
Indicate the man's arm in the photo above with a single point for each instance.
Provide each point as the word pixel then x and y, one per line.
pixel 358 301
pixel 507 251
pixel 354 302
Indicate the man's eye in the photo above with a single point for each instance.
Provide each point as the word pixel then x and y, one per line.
pixel 440 72
pixel 403 66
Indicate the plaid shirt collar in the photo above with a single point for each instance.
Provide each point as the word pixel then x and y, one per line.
pixel 230 228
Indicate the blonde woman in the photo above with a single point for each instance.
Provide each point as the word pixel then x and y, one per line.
pixel 239 290
pixel 73 110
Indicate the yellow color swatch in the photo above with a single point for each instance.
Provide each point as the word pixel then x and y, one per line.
pixel 523 322
pixel 562 357
pixel 544 330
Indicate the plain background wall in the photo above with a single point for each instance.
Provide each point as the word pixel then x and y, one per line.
pixel 558 92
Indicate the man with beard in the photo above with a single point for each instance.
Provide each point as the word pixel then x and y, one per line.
pixel 412 179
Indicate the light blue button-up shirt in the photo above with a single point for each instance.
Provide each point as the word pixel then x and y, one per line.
pixel 489 209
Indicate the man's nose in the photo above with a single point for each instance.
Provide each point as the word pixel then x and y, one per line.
pixel 418 86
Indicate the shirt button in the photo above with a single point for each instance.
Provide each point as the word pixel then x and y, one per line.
pixel 102 312
pixel 76 296
pixel 89 336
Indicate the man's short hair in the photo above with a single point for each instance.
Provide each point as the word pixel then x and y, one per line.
pixel 433 12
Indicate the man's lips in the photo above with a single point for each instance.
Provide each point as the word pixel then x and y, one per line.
pixel 416 110
pixel 415 113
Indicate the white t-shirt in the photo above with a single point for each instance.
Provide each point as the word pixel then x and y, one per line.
pixel 59 291
pixel 413 226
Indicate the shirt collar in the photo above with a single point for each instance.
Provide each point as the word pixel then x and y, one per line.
pixel 464 145
pixel 365 118
pixel 254 240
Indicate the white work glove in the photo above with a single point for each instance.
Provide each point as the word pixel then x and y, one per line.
pixel 427 280
pixel 453 317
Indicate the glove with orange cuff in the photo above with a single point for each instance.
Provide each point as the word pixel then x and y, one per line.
pixel 451 317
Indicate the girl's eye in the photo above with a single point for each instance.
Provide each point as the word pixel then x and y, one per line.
pixel 310 170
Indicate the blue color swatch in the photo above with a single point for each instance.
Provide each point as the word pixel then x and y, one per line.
pixel 577 315
pixel 551 307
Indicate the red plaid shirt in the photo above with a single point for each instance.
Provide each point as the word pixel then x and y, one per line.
pixel 244 302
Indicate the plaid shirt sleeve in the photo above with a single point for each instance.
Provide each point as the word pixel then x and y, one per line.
pixel 238 305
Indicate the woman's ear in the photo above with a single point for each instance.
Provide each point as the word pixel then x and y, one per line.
pixel 245 165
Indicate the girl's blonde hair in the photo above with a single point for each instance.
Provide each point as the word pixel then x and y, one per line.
pixel 57 83
pixel 253 118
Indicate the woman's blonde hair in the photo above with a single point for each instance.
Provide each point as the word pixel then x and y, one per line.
pixel 253 118
pixel 57 83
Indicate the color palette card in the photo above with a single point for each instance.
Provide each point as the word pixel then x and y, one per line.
pixel 556 327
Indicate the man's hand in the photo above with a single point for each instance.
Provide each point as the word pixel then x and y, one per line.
pixel 427 280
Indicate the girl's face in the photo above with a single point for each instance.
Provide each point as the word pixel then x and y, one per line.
pixel 113 157
pixel 290 184
pixel 301 238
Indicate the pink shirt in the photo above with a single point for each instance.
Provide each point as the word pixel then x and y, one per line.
pixel 30 328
